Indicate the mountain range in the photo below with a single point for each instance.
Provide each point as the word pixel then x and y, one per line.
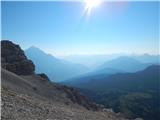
pixel 93 61
pixel 56 69
pixel 59 69
pixel 124 63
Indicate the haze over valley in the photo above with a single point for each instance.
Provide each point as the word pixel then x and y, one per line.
pixel 63 68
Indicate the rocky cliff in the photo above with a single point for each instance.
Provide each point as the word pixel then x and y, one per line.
pixel 14 60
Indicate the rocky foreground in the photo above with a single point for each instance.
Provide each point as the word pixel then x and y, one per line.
pixel 23 107
pixel 32 98
pixel 28 96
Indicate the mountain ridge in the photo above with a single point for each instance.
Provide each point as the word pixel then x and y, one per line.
pixel 124 63
pixel 55 68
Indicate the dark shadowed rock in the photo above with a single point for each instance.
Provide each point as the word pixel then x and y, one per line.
pixel 78 98
pixel 43 76
pixel 14 59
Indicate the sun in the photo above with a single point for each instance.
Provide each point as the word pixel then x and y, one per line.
pixel 90 4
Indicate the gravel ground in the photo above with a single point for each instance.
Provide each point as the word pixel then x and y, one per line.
pixel 31 98
pixel 23 107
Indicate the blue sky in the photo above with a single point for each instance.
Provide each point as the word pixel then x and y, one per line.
pixel 63 28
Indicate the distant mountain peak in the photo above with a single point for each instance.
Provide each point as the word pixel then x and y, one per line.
pixel 126 58
pixel 57 69
pixel 34 48
pixel 124 63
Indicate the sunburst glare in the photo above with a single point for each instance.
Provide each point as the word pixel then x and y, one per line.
pixel 90 4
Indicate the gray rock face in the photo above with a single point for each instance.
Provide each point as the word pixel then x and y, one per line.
pixel 13 59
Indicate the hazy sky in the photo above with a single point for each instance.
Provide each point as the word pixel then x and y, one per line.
pixel 64 28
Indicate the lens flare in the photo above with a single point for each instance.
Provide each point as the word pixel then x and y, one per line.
pixel 90 4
